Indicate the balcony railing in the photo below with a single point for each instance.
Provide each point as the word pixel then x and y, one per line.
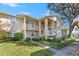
pixel 32 28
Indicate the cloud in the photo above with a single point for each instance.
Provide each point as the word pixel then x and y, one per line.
pixel 11 4
pixel 26 13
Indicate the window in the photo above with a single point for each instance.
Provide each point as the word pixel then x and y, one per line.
pixel 32 34
pixel 13 21
pixel 32 25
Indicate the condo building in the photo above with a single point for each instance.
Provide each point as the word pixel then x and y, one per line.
pixel 46 27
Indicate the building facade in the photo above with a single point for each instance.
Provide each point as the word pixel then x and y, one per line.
pixel 31 27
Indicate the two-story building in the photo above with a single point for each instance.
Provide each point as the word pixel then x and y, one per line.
pixel 47 26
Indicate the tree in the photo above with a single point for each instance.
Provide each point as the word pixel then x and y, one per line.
pixel 5 25
pixel 67 11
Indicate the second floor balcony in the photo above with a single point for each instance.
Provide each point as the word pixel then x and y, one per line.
pixel 32 27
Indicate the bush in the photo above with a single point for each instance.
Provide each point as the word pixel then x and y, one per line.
pixel 4 36
pixel 49 39
pixel 18 36
pixel 36 38
pixel 28 39
pixel 13 39
pixel 55 39
pixel 59 39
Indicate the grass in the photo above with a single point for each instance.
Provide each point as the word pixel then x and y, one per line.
pixel 15 49
pixel 43 52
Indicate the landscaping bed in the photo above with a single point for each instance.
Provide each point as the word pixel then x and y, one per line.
pixel 55 44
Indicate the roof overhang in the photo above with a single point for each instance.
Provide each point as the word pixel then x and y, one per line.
pixel 2 13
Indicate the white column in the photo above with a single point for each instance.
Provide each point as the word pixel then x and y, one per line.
pixel 52 27
pixel 24 27
pixel 46 28
pixel 40 28
pixel 78 23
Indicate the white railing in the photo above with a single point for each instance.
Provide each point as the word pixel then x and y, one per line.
pixel 32 28
pixel 50 33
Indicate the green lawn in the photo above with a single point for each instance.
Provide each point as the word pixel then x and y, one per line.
pixel 14 49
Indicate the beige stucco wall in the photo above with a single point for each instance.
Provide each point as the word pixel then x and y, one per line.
pixel 19 25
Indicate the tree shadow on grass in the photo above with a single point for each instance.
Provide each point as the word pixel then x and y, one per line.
pixel 43 52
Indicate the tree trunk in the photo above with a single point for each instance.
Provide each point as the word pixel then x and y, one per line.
pixel 70 30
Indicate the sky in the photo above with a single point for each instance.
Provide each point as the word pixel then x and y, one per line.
pixel 36 10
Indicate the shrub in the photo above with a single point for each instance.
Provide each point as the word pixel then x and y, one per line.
pixel 18 36
pixel 13 39
pixel 28 39
pixel 37 38
pixel 56 40
pixel 4 36
pixel 49 39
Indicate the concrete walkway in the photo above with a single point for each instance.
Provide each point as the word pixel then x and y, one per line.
pixel 72 50
pixel 46 47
